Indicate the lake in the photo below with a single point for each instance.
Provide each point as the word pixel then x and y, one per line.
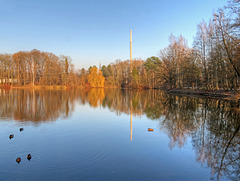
pixel 102 134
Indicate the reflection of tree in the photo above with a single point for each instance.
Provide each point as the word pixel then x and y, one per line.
pixel 217 141
pixel 176 115
pixel 120 101
pixel 95 97
pixel 34 105
pixel 212 124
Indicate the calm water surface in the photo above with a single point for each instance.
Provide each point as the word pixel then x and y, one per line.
pixel 102 134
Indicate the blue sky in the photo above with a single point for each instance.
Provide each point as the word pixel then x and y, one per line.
pixel 93 31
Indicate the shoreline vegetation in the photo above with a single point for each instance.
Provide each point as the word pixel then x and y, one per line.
pixel 211 66
pixel 216 94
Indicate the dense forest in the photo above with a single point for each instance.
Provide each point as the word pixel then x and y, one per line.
pixel 212 63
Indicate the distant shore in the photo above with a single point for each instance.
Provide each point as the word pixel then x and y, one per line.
pixel 47 87
pixel 219 94
pixel 35 87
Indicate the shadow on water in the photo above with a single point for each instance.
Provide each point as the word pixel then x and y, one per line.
pixel 213 125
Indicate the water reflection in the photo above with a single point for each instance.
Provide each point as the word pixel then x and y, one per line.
pixel 213 125
pixel 35 106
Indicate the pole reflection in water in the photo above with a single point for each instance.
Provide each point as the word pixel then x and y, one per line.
pixel 131 124
pixel 210 126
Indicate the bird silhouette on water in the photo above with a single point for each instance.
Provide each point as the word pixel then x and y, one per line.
pixel 21 129
pixel 29 157
pixel 11 136
pixel 18 160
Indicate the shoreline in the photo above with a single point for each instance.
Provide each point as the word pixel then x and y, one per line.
pixel 216 94
pixel 230 95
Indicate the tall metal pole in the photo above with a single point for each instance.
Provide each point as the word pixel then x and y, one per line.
pixel 131 51
pixel 33 68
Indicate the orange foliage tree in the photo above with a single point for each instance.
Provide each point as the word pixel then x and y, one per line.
pixel 95 78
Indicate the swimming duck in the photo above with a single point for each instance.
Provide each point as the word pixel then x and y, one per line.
pixel 18 160
pixel 29 157
pixel 11 136
pixel 150 129
pixel 21 129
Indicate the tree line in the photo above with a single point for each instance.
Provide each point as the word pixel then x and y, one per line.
pixel 212 63
pixel 36 68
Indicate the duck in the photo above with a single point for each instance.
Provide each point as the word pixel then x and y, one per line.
pixel 150 129
pixel 11 136
pixel 18 160
pixel 21 129
pixel 29 156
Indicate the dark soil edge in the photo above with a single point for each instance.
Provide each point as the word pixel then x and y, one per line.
pixel 205 93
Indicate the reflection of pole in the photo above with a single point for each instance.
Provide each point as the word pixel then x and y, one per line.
pixel 130 119
pixel 131 125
